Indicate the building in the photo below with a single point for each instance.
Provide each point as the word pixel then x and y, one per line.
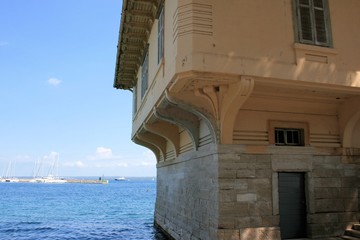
pixel 252 108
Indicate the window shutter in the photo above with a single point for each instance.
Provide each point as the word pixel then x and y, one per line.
pixel 306 33
pixel 313 22
pixel 161 35
pixel 320 22
pixel 144 75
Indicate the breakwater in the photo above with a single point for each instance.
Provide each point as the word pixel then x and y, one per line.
pixel 62 180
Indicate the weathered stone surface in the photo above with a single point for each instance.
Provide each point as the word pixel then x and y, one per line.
pixel 246 173
pixel 327 182
pixel 225 234
pixel 291 162
pixel 327 192
pixel 352 182
pixel 270 220
pixel 247 222
pixel 324 230
pixel 329 205
pixel 323 218
pixel 271 233
pixel 246 197
pixel 236 201
pixel 351 205
pixel 326 173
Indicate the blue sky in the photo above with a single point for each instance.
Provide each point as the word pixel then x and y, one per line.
pixel 57 64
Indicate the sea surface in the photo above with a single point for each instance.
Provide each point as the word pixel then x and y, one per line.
pixel 118 210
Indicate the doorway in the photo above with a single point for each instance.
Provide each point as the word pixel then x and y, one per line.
pixel 292 205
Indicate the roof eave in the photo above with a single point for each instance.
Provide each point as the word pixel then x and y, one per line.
pixel 137 17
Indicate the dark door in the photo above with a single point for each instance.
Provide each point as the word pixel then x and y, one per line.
pixel 292 205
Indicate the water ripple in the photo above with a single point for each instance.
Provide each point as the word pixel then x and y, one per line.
pixel 117 211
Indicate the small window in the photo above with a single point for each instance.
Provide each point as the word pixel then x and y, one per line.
pixel 161 35
pixel 313 22
pixel 289 137
pixel 144 74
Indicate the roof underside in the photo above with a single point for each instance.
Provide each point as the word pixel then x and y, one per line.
pixel 137 18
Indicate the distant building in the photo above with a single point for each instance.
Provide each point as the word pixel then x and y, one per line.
pixel 252 108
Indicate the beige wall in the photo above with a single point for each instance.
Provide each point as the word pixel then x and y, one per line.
pixel 231 73
pixel 249 37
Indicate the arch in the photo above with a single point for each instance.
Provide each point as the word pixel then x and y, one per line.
pixel 351 130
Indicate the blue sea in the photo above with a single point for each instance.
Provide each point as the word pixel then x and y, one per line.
pixel 118 210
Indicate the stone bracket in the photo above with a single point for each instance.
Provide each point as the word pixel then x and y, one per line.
pixel 152 141
pixel 236 94
pixel 166 130
pixel 225 101
pixel 169 112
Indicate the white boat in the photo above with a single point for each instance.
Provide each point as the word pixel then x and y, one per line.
pixel 52 179
pixel 52 176
pixel 11 180
pixel 9 173
pixel 120 179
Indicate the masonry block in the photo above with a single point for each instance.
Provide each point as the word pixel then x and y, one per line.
pixel 271 233
pixel 225 234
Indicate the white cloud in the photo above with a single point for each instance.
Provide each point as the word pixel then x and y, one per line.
pixel 102 152
pixel 54 81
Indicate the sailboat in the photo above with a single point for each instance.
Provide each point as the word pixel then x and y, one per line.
pixel 9 173
pixel 52 176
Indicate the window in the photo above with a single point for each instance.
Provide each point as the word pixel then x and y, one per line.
pixel 289 137
pixel 313 22
pixel 161 35
pixel 145 74
pixel 134 100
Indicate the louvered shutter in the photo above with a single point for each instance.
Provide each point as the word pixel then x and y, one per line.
pixel 144 75
pixel 320 22
pixel 313 22
pixel 306 29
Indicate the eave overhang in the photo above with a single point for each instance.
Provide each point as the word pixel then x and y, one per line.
pixel 137 18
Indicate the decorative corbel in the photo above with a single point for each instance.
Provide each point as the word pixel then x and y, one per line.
pixel 200 113
pixel 166 130
pixel 153 148
pixel 178 116
pixel 154 142
pixel 231 102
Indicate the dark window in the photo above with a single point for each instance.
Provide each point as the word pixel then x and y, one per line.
pixel 144 74
pixel 313 22
pixel 161 35
pixel 289 137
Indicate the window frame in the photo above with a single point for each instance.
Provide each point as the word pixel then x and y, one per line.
pixel 135 103
pixel 160 36
pixel 285 136
pixel 145 73
pixel 314 29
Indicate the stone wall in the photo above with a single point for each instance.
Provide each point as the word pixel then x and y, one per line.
pixel 336 196
pixel 245 196
pixel 231 192
pixel 187 195
pixel 248 191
